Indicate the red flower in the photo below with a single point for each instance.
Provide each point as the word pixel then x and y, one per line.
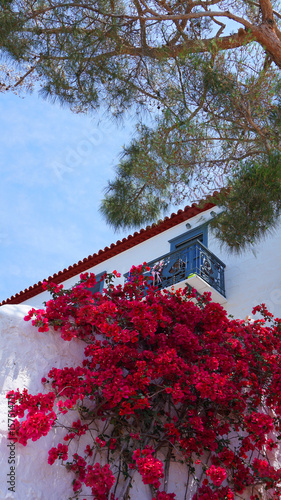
pixel 146 360
pixel 216 474
pixel 149 467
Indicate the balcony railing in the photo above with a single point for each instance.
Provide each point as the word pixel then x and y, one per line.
pixel 192 259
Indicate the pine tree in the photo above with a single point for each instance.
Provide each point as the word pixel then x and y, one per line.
pixel 208 71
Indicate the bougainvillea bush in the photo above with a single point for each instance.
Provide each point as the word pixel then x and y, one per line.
pixel 166 378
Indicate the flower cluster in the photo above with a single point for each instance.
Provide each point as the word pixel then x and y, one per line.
pixel 161 495
pixel 150 468
pixel 206 493
pixel 100 479
pixel 216 474
pixel 163 373
pixel 39 419
pixel 266 471
pixel 60 452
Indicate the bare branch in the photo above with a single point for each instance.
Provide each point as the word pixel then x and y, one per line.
pixel 23 77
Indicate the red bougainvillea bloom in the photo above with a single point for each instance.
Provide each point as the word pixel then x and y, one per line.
pixel 150 468
pixel 161 495
pixel 160 372
pixel 60 452
pixel 216 474
pixel 101 480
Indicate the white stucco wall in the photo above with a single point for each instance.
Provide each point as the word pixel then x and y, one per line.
pixel 27 356
pixel 253 277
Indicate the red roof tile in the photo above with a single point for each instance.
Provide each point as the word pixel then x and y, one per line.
pixel 114 249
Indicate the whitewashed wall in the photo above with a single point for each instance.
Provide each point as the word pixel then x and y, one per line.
pixel 253 277
pixel 27 356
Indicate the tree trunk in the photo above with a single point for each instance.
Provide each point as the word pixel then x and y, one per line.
pixel 266 35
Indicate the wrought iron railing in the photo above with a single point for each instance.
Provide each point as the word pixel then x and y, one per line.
pixel 191 259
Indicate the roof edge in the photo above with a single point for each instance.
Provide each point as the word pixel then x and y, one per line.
pixel 115 248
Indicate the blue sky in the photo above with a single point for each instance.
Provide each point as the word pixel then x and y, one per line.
pixel 54 165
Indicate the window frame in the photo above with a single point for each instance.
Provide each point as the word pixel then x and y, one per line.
pixel 100 283
pixel 190 235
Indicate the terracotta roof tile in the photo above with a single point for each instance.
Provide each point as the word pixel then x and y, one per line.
pixel 114 249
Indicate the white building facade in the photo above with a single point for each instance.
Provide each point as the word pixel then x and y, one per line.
pixel 181 249
pixel 238 282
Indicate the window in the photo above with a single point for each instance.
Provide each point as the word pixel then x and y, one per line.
pixel 99 284
pixel 199 233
